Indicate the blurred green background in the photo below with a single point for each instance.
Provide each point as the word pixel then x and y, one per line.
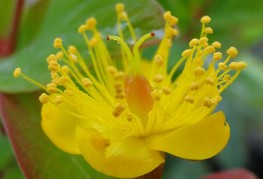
pixel 236 23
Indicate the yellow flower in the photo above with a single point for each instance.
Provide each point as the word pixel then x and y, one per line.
pixel 122 114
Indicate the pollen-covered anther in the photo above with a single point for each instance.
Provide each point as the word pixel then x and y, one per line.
pixel 199 71
pixel 51 57
pixel 226 78
pixel 167 15
pixel 43 98
pixel 208 102
pixel 210 81
pixel 216 44
pixel 53 66
pixel 217 56
pixel 86 82
pixel 119 76
pixel 193 42
pixel 194 86
pixel 209 49
pixel 158 59
pixel 157 94
pixel 72 49
pixel 93 42
pixel 91 23
pixel 189 99
pixel 203 41
pixel 112 70
pixel 237 65
pixel 17 72
pixel 186 53
pixel 58 99
pixel 65 69
pixel 73 57
pixel 60 55
pixel 232 51
pixel 82 28
pixel 222 66
pixel 51 88
pixel 166 90
pixel 172 20
pixel 68 92
pixel 205 19
pixel 173 32
pixel 118 110
pixel 208 30
pixel 119 7
pixel 158 78
pixel 57 43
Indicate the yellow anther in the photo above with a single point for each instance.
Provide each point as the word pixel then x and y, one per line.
pixel 60 81
pixel 86 82
pixel 210 81
pixel 158 78
pixel 53 66
pixel 193 42
pixel 199 71
pixel 232 51
pixel 166 90
pixel 216 44
pixel 119 76
pixel 157 94
pixel 217 56
pixel 194 86
pixel 186 52
pixel 65 69
pixel 73 57
pixel 172 20
pixel 173 32
pixel 205 19
pixel 209 49
pixel 237 65
pixel 203 41
pixel 43 98
pixel 72 49
pixel 82 28
pixel 91 23
pixel 51 57
pixel 51 88
pixel 123 15
pixel 208 102
pixel 57 43
pixel 158 59
pixel 167 15
pixel 119 7
pixel 208 30
pixel 54 75
pixel 60 55
pixel 112 70
pixel 93 42
pixel 17 72
pixel 58 99
pixel 189 99
pixel 68 92
pixel 222 66
pixel 226 78
pixel 118 109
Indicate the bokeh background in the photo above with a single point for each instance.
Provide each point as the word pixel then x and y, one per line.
pixel 236 23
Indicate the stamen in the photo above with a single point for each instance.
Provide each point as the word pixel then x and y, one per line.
pixel 232 51
pixel 43 98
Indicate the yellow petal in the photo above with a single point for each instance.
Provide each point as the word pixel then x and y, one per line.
pixel 198 141
pixel 59 127
pixel 127 158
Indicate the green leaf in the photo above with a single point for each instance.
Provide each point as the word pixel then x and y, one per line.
pixel 62 20
pixel 37 156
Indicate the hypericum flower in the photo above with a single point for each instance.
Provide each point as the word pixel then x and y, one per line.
pixel 122 115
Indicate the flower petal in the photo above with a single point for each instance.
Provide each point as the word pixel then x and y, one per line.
pixel 198 141
pixel 60 127
pixel 118 159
